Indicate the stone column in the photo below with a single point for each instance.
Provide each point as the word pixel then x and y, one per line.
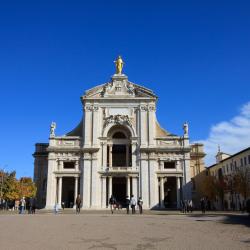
pixel 86 180
pixel 60 192
pixel 134 187
pixel 60 165
pixel 133 149
pixel 51 183
pixel 143 125
pixel 128 186
pixel 110 187
pixel 178 192
pixel 95 183
pixel 153 181
pixel 77 165
pixel 110 156
pixel 76 189
pixel 88 125
pixel 95 125
pixel 104 191
pixel 144 181
pixel 104 166
pixel 151 124
pixel 161 192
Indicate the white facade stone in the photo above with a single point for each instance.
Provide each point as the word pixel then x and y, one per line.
pixel 118 140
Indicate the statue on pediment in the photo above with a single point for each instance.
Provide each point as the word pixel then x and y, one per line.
pixel 52 128
pixel 185 128
pixel 119 65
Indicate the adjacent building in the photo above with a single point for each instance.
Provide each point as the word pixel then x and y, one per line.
pixel 226 169
pixel 118 148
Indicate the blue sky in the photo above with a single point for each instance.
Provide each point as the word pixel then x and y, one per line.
pixel 193 54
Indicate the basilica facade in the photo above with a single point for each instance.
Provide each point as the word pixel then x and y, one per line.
pixel 118 149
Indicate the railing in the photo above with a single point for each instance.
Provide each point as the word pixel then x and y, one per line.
pixel 121 169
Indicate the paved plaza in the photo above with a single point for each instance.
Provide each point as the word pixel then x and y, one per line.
pixel 101 230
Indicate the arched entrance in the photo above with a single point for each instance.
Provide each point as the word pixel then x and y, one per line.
pixel 119 161
pixel 119 147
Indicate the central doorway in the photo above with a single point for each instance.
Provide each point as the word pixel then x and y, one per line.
pixel 68 187
pixel 119 189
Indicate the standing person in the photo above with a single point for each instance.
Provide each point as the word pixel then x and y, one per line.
pixel 22 205
pixel 203 205
pixel 78 203
pixel 133 203
pixel 33 211
pixel 30 205
pixel 190 204
pixel 112 202
pixel 127 204
pixel 63 205
pixel 140 203
pixel 56 208
pixel 182 206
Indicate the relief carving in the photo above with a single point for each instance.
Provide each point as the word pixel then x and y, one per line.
pixel 117 119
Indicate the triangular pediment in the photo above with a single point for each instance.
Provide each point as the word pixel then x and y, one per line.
pixel 119 86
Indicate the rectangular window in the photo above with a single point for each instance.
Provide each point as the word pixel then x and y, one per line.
pixel 249 159
pixel 245 160
pixel 235 165
pixel 227 168
pixel 241 162
pixel 231 166
pixel 169 164
pixel 69 165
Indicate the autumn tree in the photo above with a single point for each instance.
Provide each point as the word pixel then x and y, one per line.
pixel 208 187
pixel 242 182
pixel 13 189
pixel 27 187
pixel 10 186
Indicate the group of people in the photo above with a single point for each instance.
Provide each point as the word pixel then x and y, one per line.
pixel 78 203
pixel 28 204
pixel 129 203
pixel 186 206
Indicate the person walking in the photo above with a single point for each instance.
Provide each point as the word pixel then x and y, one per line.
pixel 133 203
pixel 78 204
pixel 140 203
pixel 56 208
pixel 112 202
pixel 127 204
pixel 22 205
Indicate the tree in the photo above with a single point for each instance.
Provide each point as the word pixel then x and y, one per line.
pixel 10 186
pixel 13 189
pixel 242 182
pixel 27 187
pixel 208 187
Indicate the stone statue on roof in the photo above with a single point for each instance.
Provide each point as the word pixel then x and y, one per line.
pixel 185 128
pixel 52 128
pixel 119 65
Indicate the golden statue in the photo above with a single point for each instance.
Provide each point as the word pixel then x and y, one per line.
pixel 119 65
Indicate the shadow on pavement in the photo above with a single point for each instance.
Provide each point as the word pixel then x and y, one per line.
pixel 237 220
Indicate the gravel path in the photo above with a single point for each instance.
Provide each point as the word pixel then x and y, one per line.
pixel 120 231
